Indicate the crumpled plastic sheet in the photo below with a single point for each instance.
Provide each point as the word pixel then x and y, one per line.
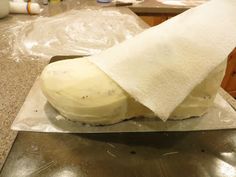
pixel 10 27
pixel 76 32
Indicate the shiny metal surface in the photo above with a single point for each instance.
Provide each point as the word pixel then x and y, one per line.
pixel 192 154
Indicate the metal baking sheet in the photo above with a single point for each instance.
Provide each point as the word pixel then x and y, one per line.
pixel 38 115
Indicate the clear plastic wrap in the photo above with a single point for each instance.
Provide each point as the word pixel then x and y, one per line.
pixel 76 32
pixel 10 28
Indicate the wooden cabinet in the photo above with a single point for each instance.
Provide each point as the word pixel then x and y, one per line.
pixel 229 81
pixel 153 20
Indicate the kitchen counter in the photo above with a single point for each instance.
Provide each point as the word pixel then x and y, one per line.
pixel 18 70
pixel 207 153
pixel 16 79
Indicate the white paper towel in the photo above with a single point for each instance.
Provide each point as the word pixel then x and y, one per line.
pixel 162 65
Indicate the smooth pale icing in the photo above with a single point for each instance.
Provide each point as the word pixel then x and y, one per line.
pixel 80 91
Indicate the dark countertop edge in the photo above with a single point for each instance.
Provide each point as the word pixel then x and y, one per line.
pixel 157 10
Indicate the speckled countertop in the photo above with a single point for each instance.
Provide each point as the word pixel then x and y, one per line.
pixel 16 79
pixel 18 71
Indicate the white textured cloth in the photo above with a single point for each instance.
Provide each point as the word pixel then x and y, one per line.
pixel 162 65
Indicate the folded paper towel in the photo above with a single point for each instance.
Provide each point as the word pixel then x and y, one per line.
pixel 163 65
